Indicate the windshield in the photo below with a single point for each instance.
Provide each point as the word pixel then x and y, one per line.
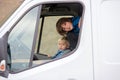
pixel 7 7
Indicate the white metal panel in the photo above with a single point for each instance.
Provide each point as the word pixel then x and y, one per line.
pixel 77 66
pixel 106 39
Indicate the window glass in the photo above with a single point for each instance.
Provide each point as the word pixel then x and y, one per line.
pixel 21 40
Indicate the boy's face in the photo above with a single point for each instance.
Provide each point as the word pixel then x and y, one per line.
pixel 62 45
pixel 67 26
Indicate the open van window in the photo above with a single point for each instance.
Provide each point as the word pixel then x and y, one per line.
pixel 7 7
pixel 34 39
pixel 47 39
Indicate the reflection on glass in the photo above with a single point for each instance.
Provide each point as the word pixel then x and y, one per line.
pixel 21 39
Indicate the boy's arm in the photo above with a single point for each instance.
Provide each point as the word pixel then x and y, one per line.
pixel 79 22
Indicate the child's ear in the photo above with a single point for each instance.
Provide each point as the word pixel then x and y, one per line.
pixel 67 46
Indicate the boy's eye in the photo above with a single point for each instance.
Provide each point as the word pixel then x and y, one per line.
pixel 63 28
pixel 64 24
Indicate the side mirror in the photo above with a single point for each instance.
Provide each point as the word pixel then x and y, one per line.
pixel 3 58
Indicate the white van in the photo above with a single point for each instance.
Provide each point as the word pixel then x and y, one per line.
pixel 28 35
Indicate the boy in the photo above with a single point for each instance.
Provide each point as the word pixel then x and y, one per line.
pixel 70 28
pixel 63 47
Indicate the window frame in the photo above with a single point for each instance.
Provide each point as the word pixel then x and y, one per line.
pixel 34 40
pixel 82 15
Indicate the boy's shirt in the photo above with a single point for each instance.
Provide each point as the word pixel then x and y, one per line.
pixel 75 21
pixel 60 53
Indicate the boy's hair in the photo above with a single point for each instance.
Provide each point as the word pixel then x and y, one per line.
pixel 60 22
pixel 65 40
